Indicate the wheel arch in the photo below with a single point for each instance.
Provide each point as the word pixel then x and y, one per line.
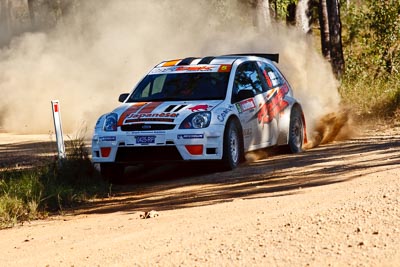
pixel 284 124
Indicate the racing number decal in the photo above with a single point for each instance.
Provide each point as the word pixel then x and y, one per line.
pixel 273 106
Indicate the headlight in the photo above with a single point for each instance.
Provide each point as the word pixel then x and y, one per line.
pixel 110 123
pixel 196 120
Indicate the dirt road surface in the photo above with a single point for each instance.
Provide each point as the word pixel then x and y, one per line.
pixel 335 205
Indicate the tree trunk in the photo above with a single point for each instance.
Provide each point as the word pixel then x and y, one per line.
pixel 32 13
pixel 5 27
pixel 335 36
pixel 291 14
pixel 273 11
pixel 263 14
pixel 303 15
pixel 324 27
pixel 65 7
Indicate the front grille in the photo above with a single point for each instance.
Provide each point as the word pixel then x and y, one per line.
pixel 147 127
pixel 148 153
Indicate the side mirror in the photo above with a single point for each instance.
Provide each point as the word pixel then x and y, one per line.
pixel 123 97
pixel 244 94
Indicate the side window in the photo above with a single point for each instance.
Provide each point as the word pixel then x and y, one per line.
pixel 271 76
pixel 247 82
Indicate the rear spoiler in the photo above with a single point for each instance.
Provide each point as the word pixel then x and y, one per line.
pixel 273 57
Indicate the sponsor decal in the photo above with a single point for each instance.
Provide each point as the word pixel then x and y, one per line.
pixel 172 69
pixel 194 68
pixel 107 138
pixel 171 63
pixel 162 70
pixel 152 115
pixel 225 68
pixel 132 109
pixel 164 116
pixel 190 136
pixel 267 78
pixel 203 107
pixel 245 105
pixel 238 107
pixel 247 132
pixel 139 112
pixel 221 117
pixel 133 133
pixel 273 105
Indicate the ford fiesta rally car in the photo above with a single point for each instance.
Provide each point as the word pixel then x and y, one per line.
pixel 192 109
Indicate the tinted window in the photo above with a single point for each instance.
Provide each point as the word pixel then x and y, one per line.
pixel 181 86
pixel 247 78
pixel 247 82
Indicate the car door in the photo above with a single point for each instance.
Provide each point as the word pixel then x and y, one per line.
pixel 248 97
pixel 274 102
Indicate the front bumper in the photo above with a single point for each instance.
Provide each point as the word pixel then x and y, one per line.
pixel 151 146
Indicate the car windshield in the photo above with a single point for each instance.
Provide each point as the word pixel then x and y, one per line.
pixel 181 86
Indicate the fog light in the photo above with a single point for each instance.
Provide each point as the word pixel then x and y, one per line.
pixel 195 149
pixel 105 151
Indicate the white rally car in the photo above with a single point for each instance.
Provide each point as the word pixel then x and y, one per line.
pixel 211 108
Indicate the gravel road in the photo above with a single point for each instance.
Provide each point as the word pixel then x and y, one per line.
pixel 334 205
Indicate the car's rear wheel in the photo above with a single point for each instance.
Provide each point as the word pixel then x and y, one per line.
pixel 296 131
pixel 112 172
pixel 232 147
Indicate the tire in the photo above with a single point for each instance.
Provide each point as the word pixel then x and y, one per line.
pixel 232 147
pixel 112 172
pixel 296 131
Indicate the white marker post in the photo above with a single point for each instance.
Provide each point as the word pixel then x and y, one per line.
pixel 57 125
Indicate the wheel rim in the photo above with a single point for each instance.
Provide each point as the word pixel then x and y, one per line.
pixel 297 133
pixel 234 146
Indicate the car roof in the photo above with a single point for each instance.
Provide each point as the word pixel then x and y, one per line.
pixel 216 60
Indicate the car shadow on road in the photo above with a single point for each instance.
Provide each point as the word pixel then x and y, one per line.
pixel 191 185
pixel 26 154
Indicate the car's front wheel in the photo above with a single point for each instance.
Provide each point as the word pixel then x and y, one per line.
pixel 232 147
pixel 112 172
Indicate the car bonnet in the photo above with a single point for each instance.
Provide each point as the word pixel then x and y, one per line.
pixel 161 112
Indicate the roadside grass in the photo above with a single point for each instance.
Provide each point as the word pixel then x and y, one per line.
pixel 29 194
pixel 373 99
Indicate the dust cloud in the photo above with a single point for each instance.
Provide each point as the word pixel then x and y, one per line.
pixel 105 47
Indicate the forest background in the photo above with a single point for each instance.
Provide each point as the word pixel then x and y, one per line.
pixel 360 38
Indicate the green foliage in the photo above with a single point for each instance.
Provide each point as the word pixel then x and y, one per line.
pixel 280 7
pixel 11 211
pixel 371 39
pixel 20 195
pixel 25 194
